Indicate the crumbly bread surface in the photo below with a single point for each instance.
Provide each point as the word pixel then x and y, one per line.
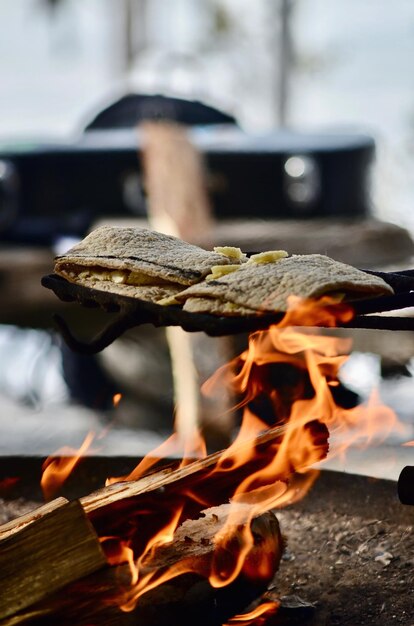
pixel 164 267
pixel 266 287
pixel 139 250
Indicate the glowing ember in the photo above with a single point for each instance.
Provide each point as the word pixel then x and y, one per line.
pixel 116 399
pixel 7 484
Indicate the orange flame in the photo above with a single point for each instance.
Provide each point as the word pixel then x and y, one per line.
pixel 173 447
pixel 142 581
pixel 116 399
pixel 263 610
pixel 57 468
pixel 118 552
pixel 287 376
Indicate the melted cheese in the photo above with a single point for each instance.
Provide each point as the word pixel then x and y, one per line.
pixel 271 256
pixel 231 252
pixel 217 271
pixel 125 277
pixel 168 301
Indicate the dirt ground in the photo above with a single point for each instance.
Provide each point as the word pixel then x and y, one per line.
pixel 354 570
pixel 350 553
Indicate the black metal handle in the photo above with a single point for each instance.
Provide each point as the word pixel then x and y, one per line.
pixel 406 485
pixel 401 282
pixel 102 340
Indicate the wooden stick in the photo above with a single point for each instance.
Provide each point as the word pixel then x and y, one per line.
pixel 175 183
pixel 178 205
pixel 43 551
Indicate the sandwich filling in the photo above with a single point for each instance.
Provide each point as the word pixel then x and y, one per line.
pixel 137 262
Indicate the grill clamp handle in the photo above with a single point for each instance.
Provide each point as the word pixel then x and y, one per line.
pixel 406 485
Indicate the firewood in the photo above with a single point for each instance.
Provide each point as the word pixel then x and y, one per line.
pixel 171 475
pixel 56 545
pixel 43 551
pixel 186 599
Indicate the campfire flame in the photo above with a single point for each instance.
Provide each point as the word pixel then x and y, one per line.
pixel 116 552
pixel 57 468
pixel 263 610
pixel 285 378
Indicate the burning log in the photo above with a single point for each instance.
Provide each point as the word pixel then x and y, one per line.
pixel 116 509
pixel 43 551
pixel 179 575
pixel 128 515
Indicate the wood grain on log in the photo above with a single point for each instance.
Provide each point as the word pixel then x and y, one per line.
pixel 43 551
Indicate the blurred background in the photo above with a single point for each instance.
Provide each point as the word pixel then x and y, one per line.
pixel 296 62
pixel 306 65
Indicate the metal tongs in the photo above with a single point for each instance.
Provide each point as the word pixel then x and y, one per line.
pixel 369 312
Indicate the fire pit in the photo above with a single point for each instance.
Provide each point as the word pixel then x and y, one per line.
pixel 349 556
pixel 171 561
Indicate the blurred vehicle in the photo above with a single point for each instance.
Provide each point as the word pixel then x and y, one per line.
pixel 52 190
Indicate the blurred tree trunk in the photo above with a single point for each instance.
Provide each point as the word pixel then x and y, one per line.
pixel 285 57
pixel 129 24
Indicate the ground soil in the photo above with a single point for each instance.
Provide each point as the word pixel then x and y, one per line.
pixel 355 570
pixel 10 509
pixel 350 554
